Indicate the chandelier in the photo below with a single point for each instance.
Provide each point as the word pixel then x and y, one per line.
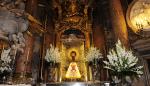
pixel 138 15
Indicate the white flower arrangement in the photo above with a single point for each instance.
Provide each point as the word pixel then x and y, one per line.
pixel 92 54
pixel 5 61
pixel 122 61
pixel 53 54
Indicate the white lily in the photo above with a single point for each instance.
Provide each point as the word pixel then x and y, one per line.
pixel 5 61
pixel 53 54
pixel 122 60
pixel 93 53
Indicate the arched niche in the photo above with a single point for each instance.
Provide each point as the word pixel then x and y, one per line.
pixel 73 40
pixel 78 32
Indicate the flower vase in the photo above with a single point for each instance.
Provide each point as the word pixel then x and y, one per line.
pixel 94 71
pixel 52 64
pixel 128 80
pixel 95 62
pixel 90 63
pixel 123 80
pixel 115 80
pixel 57 65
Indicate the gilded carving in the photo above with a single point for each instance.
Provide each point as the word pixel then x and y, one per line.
pixel 74 15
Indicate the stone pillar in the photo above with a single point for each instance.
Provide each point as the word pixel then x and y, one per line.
pixel 23 63
pixel 118 21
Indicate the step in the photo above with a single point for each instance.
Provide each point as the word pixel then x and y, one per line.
pixel 75 84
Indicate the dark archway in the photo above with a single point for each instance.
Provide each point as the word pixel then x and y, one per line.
pixel 76 32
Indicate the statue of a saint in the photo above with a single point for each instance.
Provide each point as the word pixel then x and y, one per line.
pixel 73 8
pixel 73 71
pixel 73 55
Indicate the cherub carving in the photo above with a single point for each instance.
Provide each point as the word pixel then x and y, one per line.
pixel 18 42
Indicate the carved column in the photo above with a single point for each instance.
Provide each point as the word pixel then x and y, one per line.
pixel 118 21
pixel 23 63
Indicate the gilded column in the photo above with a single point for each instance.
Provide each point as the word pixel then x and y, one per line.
pixel 118 21
pixel 87 36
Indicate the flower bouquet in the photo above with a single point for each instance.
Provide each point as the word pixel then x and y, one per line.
pixel 122 62
pixel 93 55
pixel 5 62
pixel 53 55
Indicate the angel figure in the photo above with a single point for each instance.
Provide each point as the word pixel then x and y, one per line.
pixel 18 43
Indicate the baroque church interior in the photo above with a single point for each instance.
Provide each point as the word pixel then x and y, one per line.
pixel 75 42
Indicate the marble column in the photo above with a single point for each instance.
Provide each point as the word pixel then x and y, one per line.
pixel 118 21
pixel 23 62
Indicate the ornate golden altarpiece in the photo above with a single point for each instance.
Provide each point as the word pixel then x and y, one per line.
pixel 73 29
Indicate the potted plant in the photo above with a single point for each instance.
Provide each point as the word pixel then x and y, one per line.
pixel 121 63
